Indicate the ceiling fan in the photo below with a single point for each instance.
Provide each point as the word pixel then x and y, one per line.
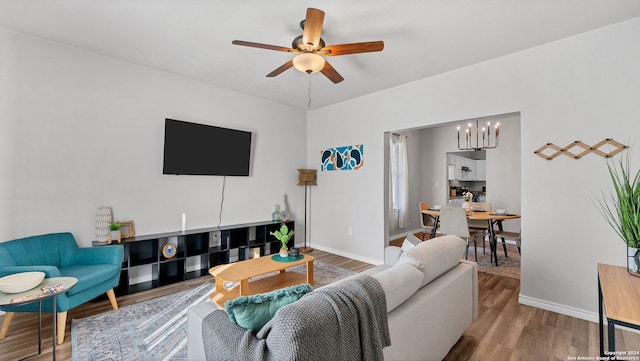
pixel 310 47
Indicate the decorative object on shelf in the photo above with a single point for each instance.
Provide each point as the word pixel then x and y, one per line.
pixel 284 216
pixel 169 250
pixel 20 282
pixel 621 208
pixel 283 235
pixel 618 147
pixel 306 178
pixel 349 157
pixel 486 137
pixel 127 229
pixel 275 216
pixel 103 224
pixel 115 234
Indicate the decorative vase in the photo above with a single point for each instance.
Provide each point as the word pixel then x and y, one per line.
pixel 103 224
pixel 467 206
pixel 284 252
pixel 633 261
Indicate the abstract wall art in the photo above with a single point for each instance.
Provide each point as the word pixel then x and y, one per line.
pixel 349 157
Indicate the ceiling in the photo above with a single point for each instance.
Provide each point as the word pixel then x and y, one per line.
pixel 422 37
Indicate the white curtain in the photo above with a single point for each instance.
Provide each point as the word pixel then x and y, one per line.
pixel 403 185
pixel 399 170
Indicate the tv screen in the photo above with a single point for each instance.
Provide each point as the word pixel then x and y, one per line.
pixel 199 149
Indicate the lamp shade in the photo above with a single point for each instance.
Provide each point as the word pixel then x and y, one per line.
pixel 307 177
pixel 308 62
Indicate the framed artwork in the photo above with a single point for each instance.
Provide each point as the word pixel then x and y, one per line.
pixel 127 229
pixel 349 157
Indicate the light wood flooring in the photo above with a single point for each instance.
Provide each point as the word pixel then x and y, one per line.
pixel 504 330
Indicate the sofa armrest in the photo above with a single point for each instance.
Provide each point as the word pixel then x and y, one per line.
pixel 391 255
pixel 195 342
pixel 98 255
pixel 475 286
pixel 227 340
pixel 49 271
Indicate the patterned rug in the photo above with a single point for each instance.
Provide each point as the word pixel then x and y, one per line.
pixel 155 330
pixel 507 266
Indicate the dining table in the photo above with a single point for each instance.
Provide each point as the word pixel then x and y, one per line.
pixel 492 217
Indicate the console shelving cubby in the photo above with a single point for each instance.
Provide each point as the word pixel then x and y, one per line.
pixel 144 266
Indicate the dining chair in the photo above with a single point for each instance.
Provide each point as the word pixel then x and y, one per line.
pixel 453 220
pixel 514 236
pixel 427 221
pixel 478 225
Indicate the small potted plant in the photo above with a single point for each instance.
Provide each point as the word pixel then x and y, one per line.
pixel 115 231
pixel 283 235
pixel 621 207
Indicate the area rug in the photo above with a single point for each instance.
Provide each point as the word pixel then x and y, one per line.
pixel 507 266
pixel 156 329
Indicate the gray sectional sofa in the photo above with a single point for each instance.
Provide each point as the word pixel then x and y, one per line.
pixel 431 297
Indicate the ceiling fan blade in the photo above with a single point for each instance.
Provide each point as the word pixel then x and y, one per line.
pixel 264 46
pixel 312 28
pixel 331 73
pixel 353 48
pixel 282 68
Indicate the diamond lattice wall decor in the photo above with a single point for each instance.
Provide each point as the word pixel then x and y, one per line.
pixel 577 149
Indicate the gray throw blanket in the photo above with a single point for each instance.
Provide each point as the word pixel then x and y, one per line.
pixel 343 321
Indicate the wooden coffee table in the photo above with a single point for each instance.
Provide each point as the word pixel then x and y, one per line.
pixel 242 271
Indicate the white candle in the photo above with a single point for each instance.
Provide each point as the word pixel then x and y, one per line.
pixel 184 221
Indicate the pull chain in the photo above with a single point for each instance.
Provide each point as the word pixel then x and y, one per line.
pixel 309 92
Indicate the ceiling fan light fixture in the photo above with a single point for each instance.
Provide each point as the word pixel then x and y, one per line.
pixel 308 62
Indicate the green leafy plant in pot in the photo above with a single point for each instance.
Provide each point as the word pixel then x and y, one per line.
pixel 283 235
pixel 621 207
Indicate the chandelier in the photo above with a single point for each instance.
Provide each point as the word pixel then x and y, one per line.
pixel 480 143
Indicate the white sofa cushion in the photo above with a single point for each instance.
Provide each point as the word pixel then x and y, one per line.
pixel 435 256
pixel 399 283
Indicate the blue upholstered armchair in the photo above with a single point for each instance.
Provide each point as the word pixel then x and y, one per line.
pixel 58 255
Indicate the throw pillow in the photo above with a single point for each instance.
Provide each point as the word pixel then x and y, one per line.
pixel 410 242
pixel 253 312
pixel 435 256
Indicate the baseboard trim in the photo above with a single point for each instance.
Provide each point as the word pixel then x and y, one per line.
pixel 558 308
pixel 348 255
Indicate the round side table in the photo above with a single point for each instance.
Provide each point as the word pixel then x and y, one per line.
pixel 39 294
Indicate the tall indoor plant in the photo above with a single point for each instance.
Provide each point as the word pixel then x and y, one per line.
pixel 621 206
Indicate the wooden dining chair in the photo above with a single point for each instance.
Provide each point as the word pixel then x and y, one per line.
pixel 427 221
pixel 453 220
pixel 478 225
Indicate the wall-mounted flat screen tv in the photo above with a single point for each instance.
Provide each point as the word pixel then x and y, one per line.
pixel 200 149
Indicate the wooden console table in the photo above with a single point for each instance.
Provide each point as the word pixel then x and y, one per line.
pixel 241 272
pixel 619 299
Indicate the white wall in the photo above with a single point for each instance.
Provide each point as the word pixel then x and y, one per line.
pixel 581 88
pixel 79 130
